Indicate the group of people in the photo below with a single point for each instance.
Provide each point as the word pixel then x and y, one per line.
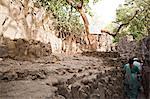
pixel 133 77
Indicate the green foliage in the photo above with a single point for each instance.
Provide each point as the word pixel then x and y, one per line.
pixel 68 18
pixel 115 39
pixel 139 25
pixel 110 27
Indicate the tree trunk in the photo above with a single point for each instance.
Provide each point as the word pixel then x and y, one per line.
pixel 79 8
pixel 86 22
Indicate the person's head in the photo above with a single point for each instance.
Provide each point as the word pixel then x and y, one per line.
pixel 136 59
pixel 131 62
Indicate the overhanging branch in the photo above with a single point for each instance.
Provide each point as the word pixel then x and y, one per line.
pixel 119 28
pixel 107 32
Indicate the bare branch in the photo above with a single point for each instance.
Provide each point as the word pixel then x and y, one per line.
pixel 107 32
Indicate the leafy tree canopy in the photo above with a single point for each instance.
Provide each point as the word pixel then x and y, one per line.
pixel 134 18
pixel 68 18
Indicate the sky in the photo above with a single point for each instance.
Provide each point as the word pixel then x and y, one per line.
pixel 104 13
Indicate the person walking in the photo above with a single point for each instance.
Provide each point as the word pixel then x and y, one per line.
pixel 131 82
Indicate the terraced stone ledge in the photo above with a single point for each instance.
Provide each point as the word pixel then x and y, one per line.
pixel 105 84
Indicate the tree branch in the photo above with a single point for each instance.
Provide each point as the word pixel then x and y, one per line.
pixel 126 23
pixel 107 32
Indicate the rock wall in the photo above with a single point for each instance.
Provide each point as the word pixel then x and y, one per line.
pixel 94 76
pixel 78 44
pixel 24 19
pixel 128 48
pixel 105 42
pixel 144 51
pixel 105 84
pixel 98 86
pixel 23 49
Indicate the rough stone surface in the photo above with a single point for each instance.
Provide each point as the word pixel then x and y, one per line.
pixel 105 84
pixel 105 42
pixel 144 51
pixel 22 49
pixel 23 19
pixel 61 77
pixel 26 19
pixel 127 47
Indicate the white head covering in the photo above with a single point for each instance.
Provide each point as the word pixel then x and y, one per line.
pixel 135 59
